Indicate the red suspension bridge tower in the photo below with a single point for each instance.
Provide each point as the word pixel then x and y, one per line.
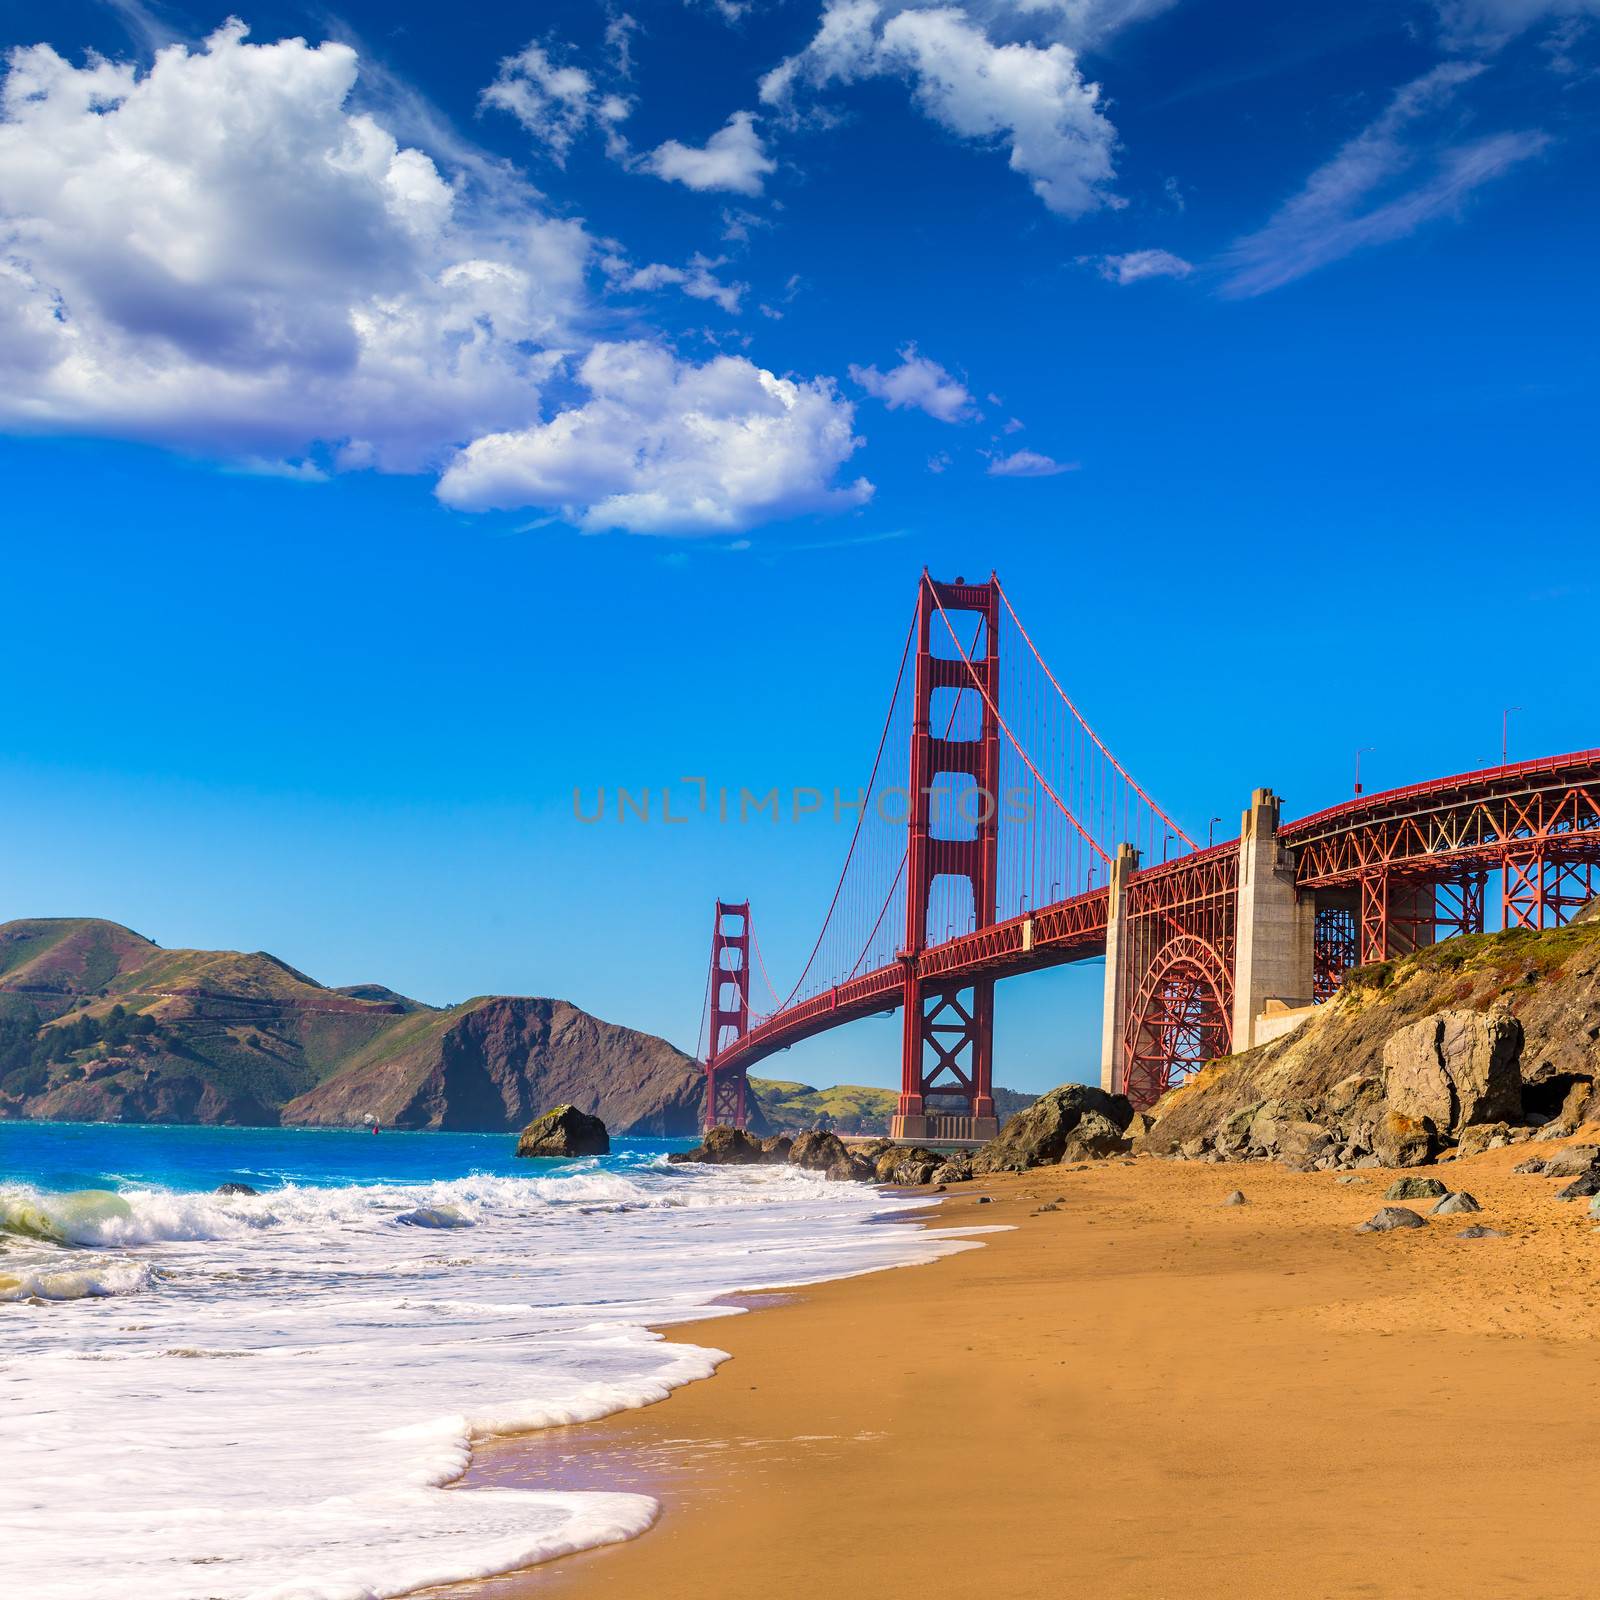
pixel 947 1048
pixel 729 1007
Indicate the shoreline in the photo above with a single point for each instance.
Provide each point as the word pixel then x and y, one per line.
pixel 1143 1392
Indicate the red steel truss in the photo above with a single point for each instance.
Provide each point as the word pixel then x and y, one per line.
pixel 1177 955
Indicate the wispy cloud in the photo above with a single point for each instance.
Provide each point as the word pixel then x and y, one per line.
pixel 1028 464
pixel 1343 208
pixel 1137 265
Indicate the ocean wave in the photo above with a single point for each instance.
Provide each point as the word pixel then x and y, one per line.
pixel 41 1281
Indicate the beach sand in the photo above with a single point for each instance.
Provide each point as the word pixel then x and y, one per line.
pixel 1143 1393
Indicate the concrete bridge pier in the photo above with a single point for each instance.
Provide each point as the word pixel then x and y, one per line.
pixel 1116 1002
pixel 1274 960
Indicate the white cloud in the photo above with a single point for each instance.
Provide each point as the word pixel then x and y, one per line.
pixel 219 256
pixel 1029 97
pixel 1340 209
pixel 917 382
pixel 698 280
pixel 1137 265
pixel 302 280
pixel 733 159
pixel 1028 464
pixel 1488 24
pixel 665 446
pixel 557 103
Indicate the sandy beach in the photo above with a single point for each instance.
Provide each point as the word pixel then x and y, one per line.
pixel 1141 1393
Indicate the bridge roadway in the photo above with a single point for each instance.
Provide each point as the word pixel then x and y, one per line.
pixel 1223 947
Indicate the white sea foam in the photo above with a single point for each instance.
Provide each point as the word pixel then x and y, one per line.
pixel 263 1397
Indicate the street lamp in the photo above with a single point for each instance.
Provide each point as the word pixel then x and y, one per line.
pixel 1505 733
pixel 1365 750
pixel 1211 828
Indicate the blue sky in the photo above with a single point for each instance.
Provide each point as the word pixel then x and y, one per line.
pixel 406 427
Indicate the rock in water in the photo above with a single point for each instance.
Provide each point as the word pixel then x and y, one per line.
pixel 777 1148
pixel 236 1188
pixel 434 1217
pixel 1452 1204
pixel 818 1152
pixel 1415 1189
pixel 1390 1218
pixel 1236 1198
pixel 566 1131
pixel 724 1147
pixel 1039 1136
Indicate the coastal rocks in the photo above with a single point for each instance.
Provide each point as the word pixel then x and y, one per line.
pixel 1039 1136
pixel 1401 1141
pixel 1391 1218
pixel 777 1147
pixel 434 1217
pixel 235 1188
pixel 1454 1069
pixel 1569 1163
pixel 1581 1187
pixel 1236 1199
pixel 1415 1189
pixel 819 1152
pixel 724 1147
pixel 1489 1136
pixel 1454 1204
pixel 910 1166
pixel 565 1131
pixel 1479 1231
pixel 1095 1137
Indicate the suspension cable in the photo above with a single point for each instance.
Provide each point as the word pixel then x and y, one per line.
pixel 1083 722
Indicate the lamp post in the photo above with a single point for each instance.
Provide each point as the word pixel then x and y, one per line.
pixel 1211 829
pixel 1505 734
pixel 1365 750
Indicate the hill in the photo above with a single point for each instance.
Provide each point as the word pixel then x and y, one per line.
pixel 849 1108
pixel 98 1023
pixel 1479 1037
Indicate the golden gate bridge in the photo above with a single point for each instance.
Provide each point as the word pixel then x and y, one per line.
pixel 1013 839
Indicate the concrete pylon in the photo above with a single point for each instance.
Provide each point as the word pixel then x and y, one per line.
pixel 1116 1002
pixel 1275 933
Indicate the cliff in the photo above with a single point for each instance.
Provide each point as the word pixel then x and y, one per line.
pixel 99 1024
pixel 1494 1032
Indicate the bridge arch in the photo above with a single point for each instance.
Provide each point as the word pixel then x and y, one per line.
pixel 1179 1019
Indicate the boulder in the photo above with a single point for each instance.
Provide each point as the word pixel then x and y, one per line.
pixel 1236 1198
pixel 1487 1136
pixel 909 1165
pixel 1478 1231
pixel 1534 1165
pixel 817 1152
pixel 1094 1138
pixel 1455 1069
pixel 724 1147
pixel 1568 1163
pixel 1402 1141
pixel 434 1217
pixel 565 1131
pixel 1390 1218
pixel 1415 1189
pixel 236 1188
pixel 1037 1137
pixel 1454 1204
pixel 1581 1187
pixel 776 1149
pixel 1303 1143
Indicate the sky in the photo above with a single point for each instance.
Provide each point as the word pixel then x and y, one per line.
pixel 410 416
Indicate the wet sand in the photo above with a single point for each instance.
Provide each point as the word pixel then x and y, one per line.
pixel 1143 1393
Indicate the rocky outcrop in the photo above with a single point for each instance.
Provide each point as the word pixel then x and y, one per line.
pixel 1474 1043
pixel 1073 1123
pixel 565 1131
pixel 729 1147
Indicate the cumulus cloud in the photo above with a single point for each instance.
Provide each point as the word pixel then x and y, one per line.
pixel 1138 265
pixel 304 279
pixel 1030 98
pixel 1488 24
pixel 1364 196
pixel 555 102
pixel 220 256
pixel 1028 464
pixel 698 280
pixel 665 446
pixel 732 159
pixel 917 382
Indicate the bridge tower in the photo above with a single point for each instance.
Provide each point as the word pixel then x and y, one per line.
pixel 729 1009
pixel 946 1059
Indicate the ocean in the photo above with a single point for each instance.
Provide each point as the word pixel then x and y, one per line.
pixel 208 1397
